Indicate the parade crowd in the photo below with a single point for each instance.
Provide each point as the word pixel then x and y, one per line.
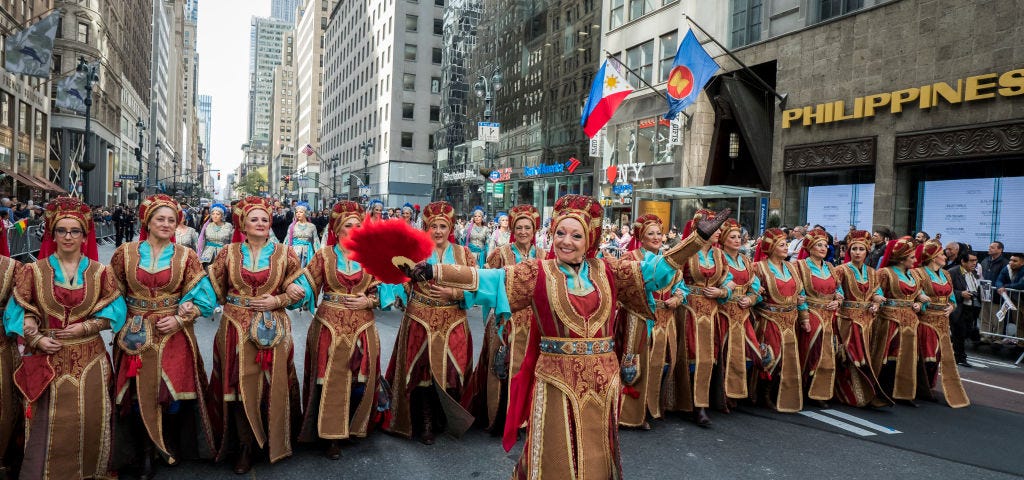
pixel 586 331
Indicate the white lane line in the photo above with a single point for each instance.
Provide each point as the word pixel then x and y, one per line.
pixel 997 387
pixel 975 364
pixel 836 423
pixel 992 362
pixel 861 421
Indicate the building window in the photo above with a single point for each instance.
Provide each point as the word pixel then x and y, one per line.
pixel 435 56
pixel 746 22
pixel 40 125
pixel 618 15
pixel 412 23
pixel 637 8
pixel 430 142
pixel 83 32
pixel 669 44
pixel 439 3
pixel 641 60
pixel 435 84
pixel 409 82
pixel 438 26
pixel 5 109
pixel 410 52
pixel 408 110
pixel 834 8
pixel 435 113
pixel 406 139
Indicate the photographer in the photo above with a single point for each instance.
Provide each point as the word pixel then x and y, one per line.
pixel 963 321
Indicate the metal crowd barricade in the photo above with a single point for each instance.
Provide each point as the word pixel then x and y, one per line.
pixel 1001 316
pixel 24 246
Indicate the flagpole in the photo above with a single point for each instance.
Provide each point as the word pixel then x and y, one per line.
pixel 646 84
pixel 764 84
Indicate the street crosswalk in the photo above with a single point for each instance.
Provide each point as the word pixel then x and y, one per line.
pixel 981 362
pixel 848 422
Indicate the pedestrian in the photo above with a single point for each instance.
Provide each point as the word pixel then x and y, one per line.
pixel 158 352
pixel 879 239
pixel 184 234
pixel 938 362
pixel 216 233
pixel 253 370
pixel 281 221
pixel 342 362
pixel 70 383
pixel 1011 277
pixel 996 261
pixel 963 322
pixel 920 237
pixel 476 236
pixel 302 236
pixel 796 242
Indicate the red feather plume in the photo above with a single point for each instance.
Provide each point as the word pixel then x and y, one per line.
pixel 375 244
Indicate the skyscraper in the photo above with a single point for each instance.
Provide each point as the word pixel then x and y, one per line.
pixel 265 54
pixel 283 10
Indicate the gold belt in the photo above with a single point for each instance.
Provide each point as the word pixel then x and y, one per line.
pixel 68 341
pixel 337 297
pixel 576 346
pixel 817 303
pixel 150 305
pixel 431 301
pixel 240 301
pixel 897 303
pixel 854 304
pixel 937 306
pixel 776 308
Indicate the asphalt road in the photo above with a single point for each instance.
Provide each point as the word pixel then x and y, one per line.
pixel 982 441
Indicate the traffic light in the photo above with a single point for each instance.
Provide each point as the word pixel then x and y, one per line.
pixel 218 176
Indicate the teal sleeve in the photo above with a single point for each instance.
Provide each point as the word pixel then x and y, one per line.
pixel 14 318
pixel 681 287
pixel 728 291
pixel 755 287
pixel 802 307
pixel 657 273
pixel 839 290
pixel 952 299
pixel 391 293
pixel 308 299
pixel 878 291
pixel 203 297
pixel 116 312
pixel 490 293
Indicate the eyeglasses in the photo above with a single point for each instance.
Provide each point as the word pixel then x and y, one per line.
pixel 63 232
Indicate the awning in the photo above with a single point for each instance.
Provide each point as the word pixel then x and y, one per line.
pixel 28 181
pixel 48 185
pixel 699 193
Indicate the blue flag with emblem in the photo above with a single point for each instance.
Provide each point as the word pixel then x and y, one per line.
pixel 71 89
pixel 30 51
pixel 691 70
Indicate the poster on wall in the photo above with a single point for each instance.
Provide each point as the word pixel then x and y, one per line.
pixel 662 209
pixel 837 207
pixel 974 211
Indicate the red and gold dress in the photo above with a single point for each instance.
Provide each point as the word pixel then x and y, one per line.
pixel 741 344
pixel 777 323
pixel 935 348
pixel 856 383
pixel 342 364
pixel 167 378
pixel 894 338
pixel 817 347
pixel 255 383
pixel 10 400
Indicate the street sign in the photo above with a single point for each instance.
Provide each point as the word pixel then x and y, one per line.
pixel 127 177
pixel 488 131
pixel 364 190
pixel 117 183
pixel 495 176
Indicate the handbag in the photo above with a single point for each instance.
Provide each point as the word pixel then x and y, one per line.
pixel 136 336
pixel 500 363
pixel 265 331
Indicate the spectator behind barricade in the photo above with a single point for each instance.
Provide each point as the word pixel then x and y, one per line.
pixel 921 237
pixel 1011 277
pixel 963 322
pixel 995 262
pixel 20 212
pixel 672 238
pixel 624 236
pixel 5 205
pixel 796 241
pixel 5 215
pixel 879 238
pixel 953 251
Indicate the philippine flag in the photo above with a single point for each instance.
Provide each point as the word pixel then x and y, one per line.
pixel 606 94
pixel 691 70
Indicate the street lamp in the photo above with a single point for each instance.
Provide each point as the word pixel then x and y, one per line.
pixel 488 89
pixel 365 148
pixel 140 183
pixel 84 164
pixel 174 175
pixel 155 166
pixel 334 178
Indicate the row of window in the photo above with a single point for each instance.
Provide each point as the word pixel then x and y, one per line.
pixel 641 60
pixel 411 51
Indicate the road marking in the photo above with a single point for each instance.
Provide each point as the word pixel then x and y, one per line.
pixel 992 362
pixel 861 422
pixel 997 387
pixel 836 423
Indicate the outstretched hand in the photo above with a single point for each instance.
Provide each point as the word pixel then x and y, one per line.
pixel 421 272
pixel 706 227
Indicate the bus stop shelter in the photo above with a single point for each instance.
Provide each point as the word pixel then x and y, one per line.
pixel 677 204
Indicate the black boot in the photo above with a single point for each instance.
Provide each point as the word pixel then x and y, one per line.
pixel 700 417
pixel 333 450
pixel 147 461
pixel 427 437
pixel 243 462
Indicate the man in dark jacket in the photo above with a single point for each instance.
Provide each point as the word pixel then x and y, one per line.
pixel 878 240
pixel 280 223
pixel 995 262
pixel 1011 277
pixel 963 322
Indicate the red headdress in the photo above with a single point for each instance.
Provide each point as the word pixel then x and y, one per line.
pixel 926 251
pixel 440 210
pixel 699 215
pixel 73 208
pixel 769 241
pixel 640 227
pixel 150 205
pixel 528 212
pixel 897 250
pixel 814 236
pixel 862 237
pixel 242 210
pixel 584 209
pixel 728 227
pixel 341 212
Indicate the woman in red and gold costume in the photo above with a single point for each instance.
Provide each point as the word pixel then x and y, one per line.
pixel 650 343
pixel 60 305
pixel 779 313
pixel 741 350
pixel 894 336
pixel 856 383
pixel 504 341
pixel 706 274
pixel 433 351
pixel 342 347
pixel 253 388
pixel 935 349
pixel 10 400
pixel 568 387
pixel 824 293
pixel 160 380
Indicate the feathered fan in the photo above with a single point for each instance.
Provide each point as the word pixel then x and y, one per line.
pixel 382 246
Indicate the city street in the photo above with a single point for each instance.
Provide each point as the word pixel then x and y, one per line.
pixel 932 441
